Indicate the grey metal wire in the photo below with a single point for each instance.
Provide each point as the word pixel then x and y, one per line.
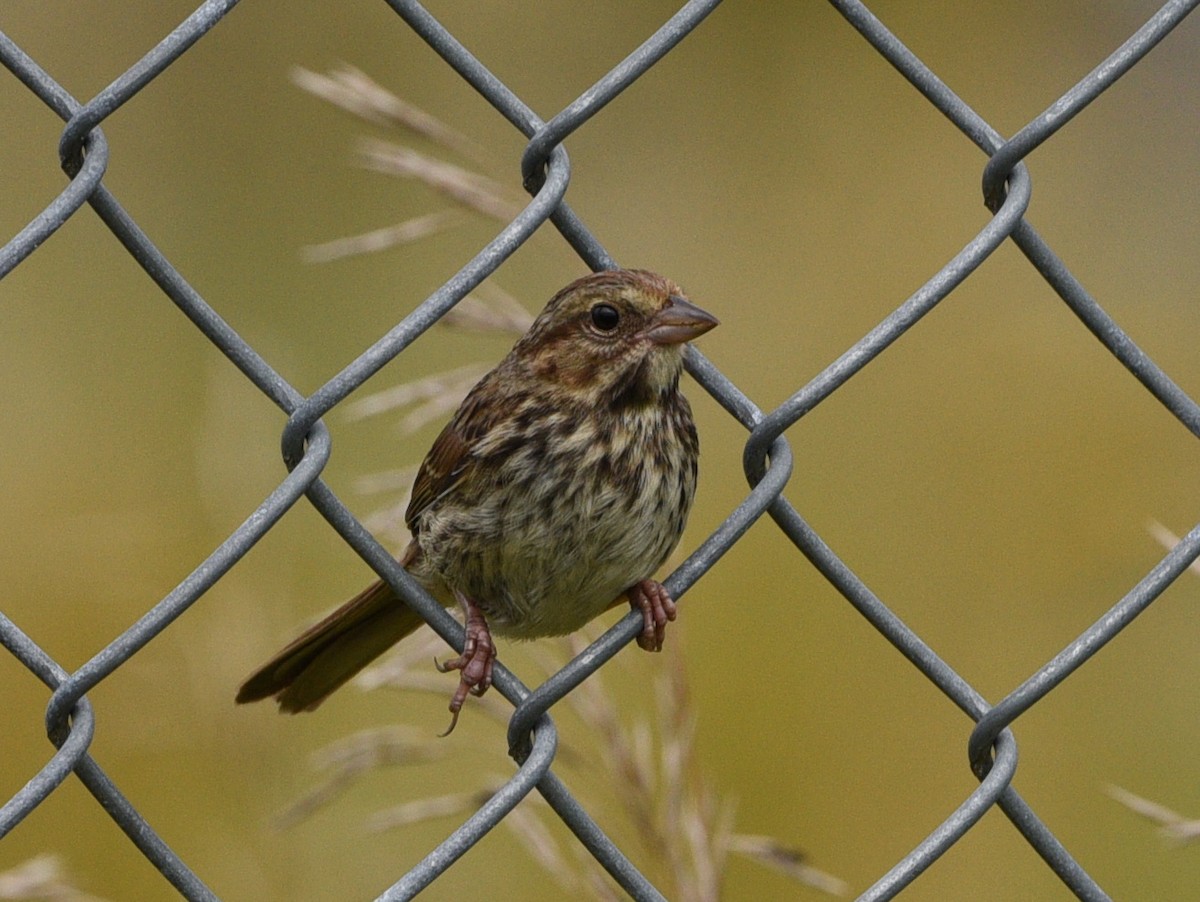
pixel 767 459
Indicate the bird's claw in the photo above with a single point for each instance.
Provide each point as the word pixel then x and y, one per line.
pixel 657 608
pixel 474 665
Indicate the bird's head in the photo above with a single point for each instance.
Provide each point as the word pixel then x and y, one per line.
pixel 617 336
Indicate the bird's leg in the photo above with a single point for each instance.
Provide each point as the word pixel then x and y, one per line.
pixel 475 662
pixel 658 609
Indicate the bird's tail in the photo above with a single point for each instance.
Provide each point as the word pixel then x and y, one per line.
pixel 328 654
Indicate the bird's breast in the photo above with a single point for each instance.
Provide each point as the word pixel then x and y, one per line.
pixel 545 536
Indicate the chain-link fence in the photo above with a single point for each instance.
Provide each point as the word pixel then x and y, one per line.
pixel 767 457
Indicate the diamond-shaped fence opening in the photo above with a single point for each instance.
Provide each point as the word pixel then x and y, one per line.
pixel 74 719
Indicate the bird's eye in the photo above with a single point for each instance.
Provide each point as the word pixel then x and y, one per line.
pixel 605 317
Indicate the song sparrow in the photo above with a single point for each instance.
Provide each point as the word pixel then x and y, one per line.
pixel 559 487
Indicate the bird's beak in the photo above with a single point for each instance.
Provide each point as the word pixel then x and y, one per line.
pixel 679 321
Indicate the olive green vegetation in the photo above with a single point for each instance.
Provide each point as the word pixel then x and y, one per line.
pixel 991 477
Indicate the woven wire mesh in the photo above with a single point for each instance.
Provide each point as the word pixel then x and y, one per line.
pixel 545 168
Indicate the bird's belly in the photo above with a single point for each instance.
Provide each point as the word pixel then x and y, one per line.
pixel 559 577
pixel 547 569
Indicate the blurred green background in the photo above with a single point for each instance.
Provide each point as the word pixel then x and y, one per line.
pixel 991 477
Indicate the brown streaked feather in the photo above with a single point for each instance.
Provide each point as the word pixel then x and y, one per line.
pixel 450 460
pixel 445 465
pixel 282 670
pixel 354 648
pixel 330 652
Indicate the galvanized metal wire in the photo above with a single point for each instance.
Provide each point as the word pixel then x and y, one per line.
pixel 546 171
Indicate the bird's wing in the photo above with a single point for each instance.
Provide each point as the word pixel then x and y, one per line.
pixel 450 460
pixel 444 466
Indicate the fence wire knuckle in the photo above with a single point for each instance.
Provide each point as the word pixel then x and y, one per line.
pixel 545 172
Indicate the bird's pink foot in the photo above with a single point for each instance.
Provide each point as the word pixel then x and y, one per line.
pixel 657 608
pixel 475 662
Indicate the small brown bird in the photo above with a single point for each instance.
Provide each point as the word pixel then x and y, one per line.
pixel 561 484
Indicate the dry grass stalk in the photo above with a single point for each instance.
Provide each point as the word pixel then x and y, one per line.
pixel 400 480
pixel 434 395
pixel 788 860
pixel 627 755
pixel 382 239
pixel 1169 540
pixel 1172 823
pixel 541 846
pixel 353 91
pixel 599 885
pixel 501 313
pixel 41 877
pixel 676 816
pixel 471 190
pixel 344 761
pixel 408 668
pixel 421 810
